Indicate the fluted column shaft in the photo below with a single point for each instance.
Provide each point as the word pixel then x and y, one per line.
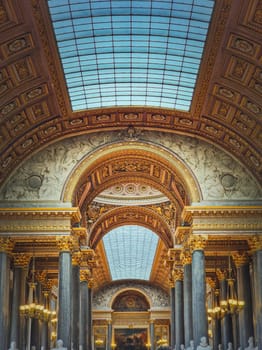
pixel 187 298
pixel 172 327
pixel 65 291
pixel 6 246
pixel 245 316
pixel 200 325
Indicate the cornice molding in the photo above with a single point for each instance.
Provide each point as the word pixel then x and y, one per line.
pixel 25 213
pixel 191 212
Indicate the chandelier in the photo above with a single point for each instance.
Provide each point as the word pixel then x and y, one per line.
pixel 216 311
pixel 33 309
pixel 231 305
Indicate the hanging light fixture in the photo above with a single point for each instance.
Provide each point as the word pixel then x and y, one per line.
pixel 33 309
pixel 215 312
pixel 231 304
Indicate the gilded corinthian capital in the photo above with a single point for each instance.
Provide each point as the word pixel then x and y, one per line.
pixel 6 244
pixel 65 243
pixel 21 260
pixel 186 257
pixel 77 258
pixel 197 242
pixel 178 275
pixel 255 243
pixel 240 259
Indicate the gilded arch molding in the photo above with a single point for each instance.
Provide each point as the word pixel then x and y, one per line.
pixel 126 161
pixel 130 215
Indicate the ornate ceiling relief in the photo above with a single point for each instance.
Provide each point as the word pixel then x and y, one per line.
pixel 44 175
pixel 235 89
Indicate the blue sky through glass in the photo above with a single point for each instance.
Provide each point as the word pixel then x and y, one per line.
pixel 131 53
pixel 130 251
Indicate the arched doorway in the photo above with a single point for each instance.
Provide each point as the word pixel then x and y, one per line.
pixel 130 321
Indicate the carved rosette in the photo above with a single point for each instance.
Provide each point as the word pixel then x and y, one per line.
pixel 65 243
pixel 21 260
pixel 240 259
pixel 255 243
pixel 198 242
pixel 6 245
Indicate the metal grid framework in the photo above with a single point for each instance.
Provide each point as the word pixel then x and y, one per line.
pixel 131 53
pixel 130 251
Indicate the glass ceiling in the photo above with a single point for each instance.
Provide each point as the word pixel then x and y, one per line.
pixel 130 252
pixel 130 53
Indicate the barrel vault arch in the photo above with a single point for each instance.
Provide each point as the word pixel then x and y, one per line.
pixel 156 165
pixel 130 215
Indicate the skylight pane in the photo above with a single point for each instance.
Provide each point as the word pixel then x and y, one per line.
pixel 130 251
pixel 134 35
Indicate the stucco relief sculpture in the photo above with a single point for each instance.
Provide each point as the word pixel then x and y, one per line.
pixel 43 176
pixel 157 296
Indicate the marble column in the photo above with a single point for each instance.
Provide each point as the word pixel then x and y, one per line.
pixel 256 249
pixel 76 260
pixel 200 323
pixel 89 314
pixel 152 335
pixel 186 259
pixel 172 326
pixel 226 322
pixel 245 317
pixel 17 327
pixel 6 246
pixel 109 335
pixel 179 319
pixel 83 324
pixel 65 244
